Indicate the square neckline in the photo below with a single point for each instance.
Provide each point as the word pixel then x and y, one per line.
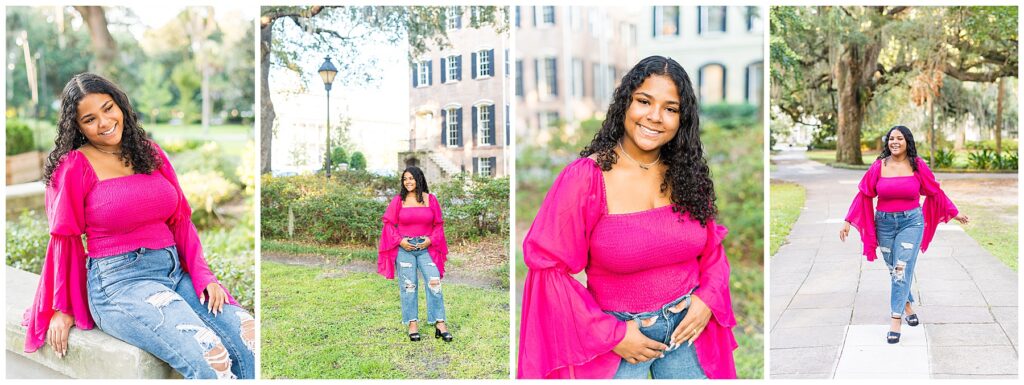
pixel 604 188
pixel 97 175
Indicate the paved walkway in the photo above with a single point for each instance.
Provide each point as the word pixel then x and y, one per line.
pixel 829 306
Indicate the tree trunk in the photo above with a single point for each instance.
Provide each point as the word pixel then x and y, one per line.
pixel 999 116
pixel 853 93
pixel 267 114
pixel 207 103
pixel 931 130
pixel 103 45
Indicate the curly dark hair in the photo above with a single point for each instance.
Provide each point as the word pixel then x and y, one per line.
pixel 136 151
pixel 688 175
pixel 421 183
pixel 911 147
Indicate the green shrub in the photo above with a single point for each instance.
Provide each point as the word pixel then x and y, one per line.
pixel 981 159
pixel 27 237
pixel 729 116
pixel 19 138
pixel 990 144
pixel 1005 161
pixel 208 157
pixel 176 146
pixel 943 158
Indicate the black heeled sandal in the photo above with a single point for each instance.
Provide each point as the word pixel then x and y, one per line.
pixel 446 336
pixel 912 320
pixel 414 336
pixel 893 337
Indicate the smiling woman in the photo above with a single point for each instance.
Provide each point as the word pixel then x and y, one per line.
pixel 658 306
pixel 145 279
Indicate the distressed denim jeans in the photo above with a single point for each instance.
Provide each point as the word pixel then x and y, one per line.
pixel 410 265
pixel 899 239
pixel 145 299
pixel 658 325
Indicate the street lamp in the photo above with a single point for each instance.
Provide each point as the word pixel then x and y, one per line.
pixel 327 72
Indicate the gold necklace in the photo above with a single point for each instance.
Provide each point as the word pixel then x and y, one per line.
pixel 118 153
pixel 643 166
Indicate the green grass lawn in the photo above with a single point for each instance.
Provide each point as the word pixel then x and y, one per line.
pixel 787 203
pixel 995 235
pixel 829 156
pixel 336 254
pixel 318 323
pixel 232 137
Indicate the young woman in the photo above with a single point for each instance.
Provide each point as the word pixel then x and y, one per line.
pixel 637 211
pixel 899 227
pixel 413 238
pixel 144 279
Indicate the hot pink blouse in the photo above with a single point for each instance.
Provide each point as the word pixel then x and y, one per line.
pixel 631 254
pixel 937 206
pixel 116 215
pixel 563 331
pixel 391 234
pixel 899 193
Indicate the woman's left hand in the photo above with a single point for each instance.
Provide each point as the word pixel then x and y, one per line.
pixel 425 244
pixel 693 323
pixel 215 298
pixel 962 218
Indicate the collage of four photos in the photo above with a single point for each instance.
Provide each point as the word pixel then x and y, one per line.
pixel 511 192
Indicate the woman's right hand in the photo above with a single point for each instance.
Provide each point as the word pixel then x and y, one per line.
pixel 57 334
pixel 636 347
pixel 406 245
pixel 845 232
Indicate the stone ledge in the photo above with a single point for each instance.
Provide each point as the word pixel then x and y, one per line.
pixel 91 353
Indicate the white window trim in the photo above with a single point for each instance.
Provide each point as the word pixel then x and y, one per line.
pixel 448 70
pixel 422 74
pixel 481 128
pixel 451 124
pixel 659 21
pixel 480 162
pixel 705 21
pixel 479 64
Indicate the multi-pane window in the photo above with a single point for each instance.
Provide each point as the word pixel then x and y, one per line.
pixel 423 72
pixel 712 83
pixel 548 119
pixel 483 123
pixel 484 166
pixel 551 75
pixel 753 16
pixel 712 19
pixel 666 21
pixel 754 83
pixel 577 77
pixel 548 15
pixel 483 62
pixel 452 124
pixel 519 78
pixel 453 68
pixel 474 14
pixel 454 16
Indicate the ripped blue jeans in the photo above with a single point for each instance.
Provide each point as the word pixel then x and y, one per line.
pixel 658 325
pixel 144 298
pixel 410 265
pixel 899 239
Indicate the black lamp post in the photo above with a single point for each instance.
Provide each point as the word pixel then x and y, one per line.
pixel 327 72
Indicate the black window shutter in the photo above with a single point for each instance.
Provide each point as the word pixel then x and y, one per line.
pixel 700 20
pixel 518 16
pixel 723 84
pixel 458 17
pixel 725 19
pixel 508 126
pixel 444 128
pixel 458 123
pixel 491 124
pixel 494 165
pixel 536 73
pixel 654 21
pixel 415 74
pixel 492 67
pixel 472 68
pixel 430 72
pixel 458 67
pixel 507 63
pixel 746 84
pixel 554 76
pixel 444 70
pixel 679 27
pixel 474 116
pixel 534 15
pixel 476 163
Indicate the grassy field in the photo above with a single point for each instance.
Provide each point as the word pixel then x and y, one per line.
pixel 232 137
pixel 329 253
pixel 321 323
pixel 992 231
pixel 787 202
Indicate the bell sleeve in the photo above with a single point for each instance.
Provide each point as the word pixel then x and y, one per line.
pixel 862 211
pixel 62 282
pixel 186 237
pixel 438 243
pixel 716 343
pixel 387 247
pixel 563 332
pixel 937 206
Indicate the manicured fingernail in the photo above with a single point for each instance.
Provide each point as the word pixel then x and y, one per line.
pixel 691 342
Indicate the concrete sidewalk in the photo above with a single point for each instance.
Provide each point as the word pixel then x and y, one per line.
pixel 829 306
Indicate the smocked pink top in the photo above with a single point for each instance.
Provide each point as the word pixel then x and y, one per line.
pixel 564 331
pixel 937 206
pixel 631 254
pixel 415 221
pixel 116 215
pixel 418 221
pixel 898 193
